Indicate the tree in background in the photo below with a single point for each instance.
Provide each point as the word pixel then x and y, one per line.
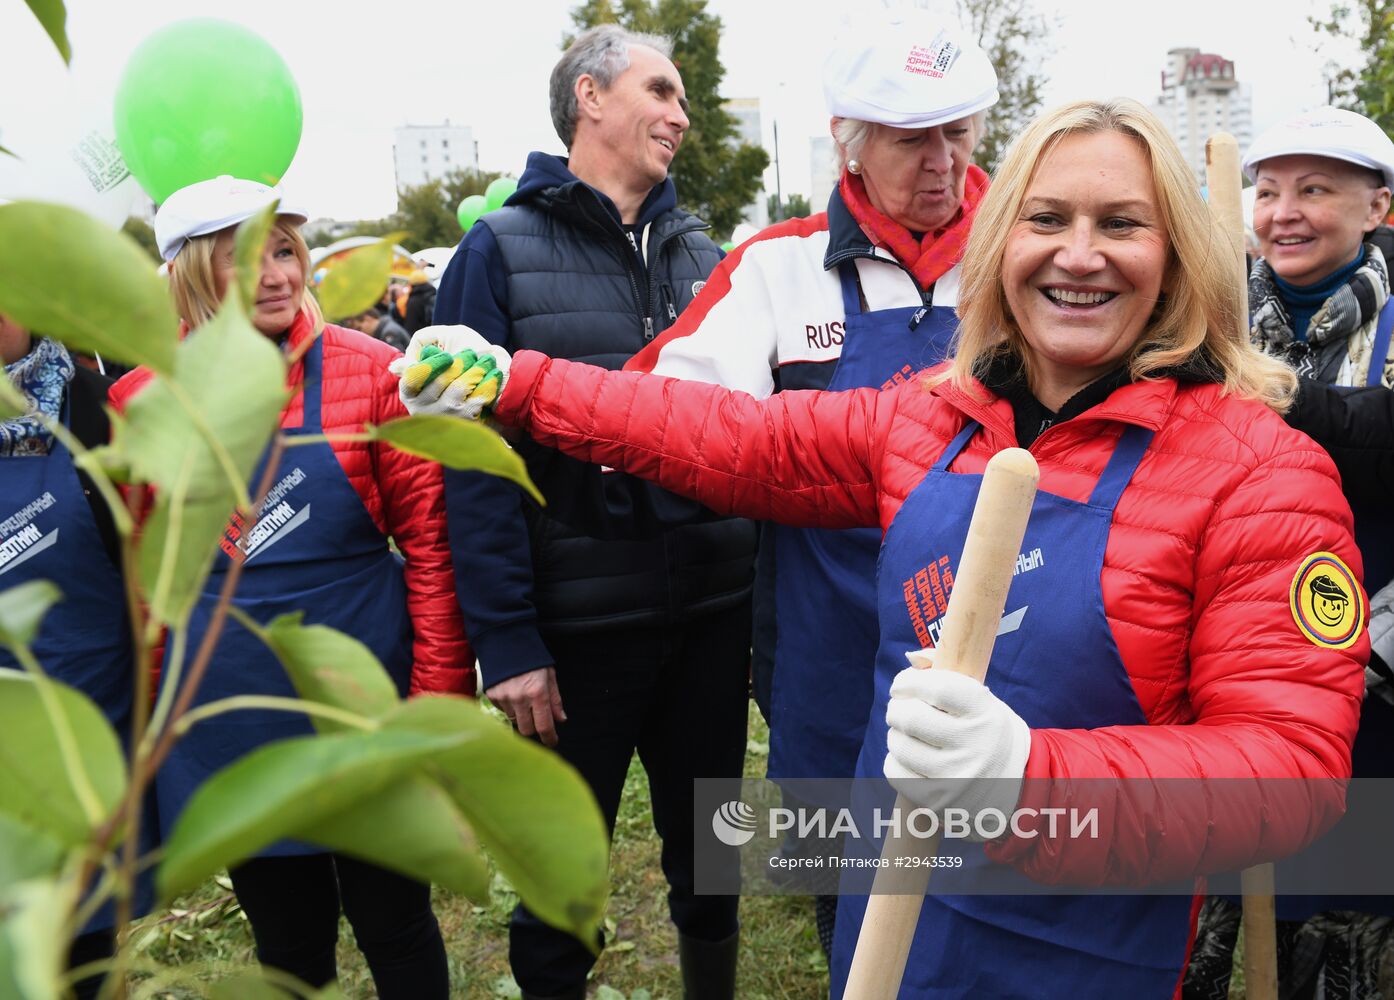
pixel 715 175
pixel 1366 87
pixel 140 231
pixel 426 212
pixel 795 207
pixel 1013 34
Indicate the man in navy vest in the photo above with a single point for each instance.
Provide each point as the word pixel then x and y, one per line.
pixel 595 636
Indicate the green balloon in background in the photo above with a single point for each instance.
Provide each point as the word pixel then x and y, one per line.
pixel 728 246
pixel 470 210
pixel 201 98
pixel 498 191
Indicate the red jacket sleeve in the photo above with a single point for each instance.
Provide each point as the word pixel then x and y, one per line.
pixel 1259 772
pixel 413 508
pixel 800 458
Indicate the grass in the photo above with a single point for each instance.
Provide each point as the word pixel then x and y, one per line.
pixel 205 933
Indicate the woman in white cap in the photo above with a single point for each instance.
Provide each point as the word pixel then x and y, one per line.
pixel 1160 624
pixel 1319 298
pixel 1319 293
pixel 859 295
pixel 1322 184
pixel 335 565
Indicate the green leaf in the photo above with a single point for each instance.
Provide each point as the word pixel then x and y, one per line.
pixel 35 788
pixel 282 787
pixel 457 444
pixel 530 810
pixel 33 945
pixel 12 401
pixel 411 827
pixel 233 380
pixel 69 277
pixel 54 18
pixel 247 251
pixel 22 609
pixel 26 853
pixel 328 666
pixel 357 279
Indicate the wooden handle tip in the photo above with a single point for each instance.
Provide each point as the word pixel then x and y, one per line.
pixel 1220 144
pixel 1015 462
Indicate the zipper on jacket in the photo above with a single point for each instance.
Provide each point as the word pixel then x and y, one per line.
pixel 655 289
pixel 666 296
pixel 602 219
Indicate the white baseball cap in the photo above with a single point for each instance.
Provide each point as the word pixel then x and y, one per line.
pixel 1333 132
pixel 908 69
pixel 211 206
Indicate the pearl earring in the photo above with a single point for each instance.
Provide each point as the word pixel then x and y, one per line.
pixel 854 166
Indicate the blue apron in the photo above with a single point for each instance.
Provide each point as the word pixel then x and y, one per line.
pixel 85 639
pixel 1056 665
pixel 825 590
pixel 315 549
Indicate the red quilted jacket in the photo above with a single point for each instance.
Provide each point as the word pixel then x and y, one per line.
pixel 1204 546
pixel 403 494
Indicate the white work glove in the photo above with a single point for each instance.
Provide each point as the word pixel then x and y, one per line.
pixel 450 370
pixel 944 725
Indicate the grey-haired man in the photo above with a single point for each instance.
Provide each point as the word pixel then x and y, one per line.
pixel 594 641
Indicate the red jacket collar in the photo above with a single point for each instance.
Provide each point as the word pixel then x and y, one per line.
pixel 1145 404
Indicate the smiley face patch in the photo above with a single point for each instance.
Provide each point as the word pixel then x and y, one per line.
pixel 1327 602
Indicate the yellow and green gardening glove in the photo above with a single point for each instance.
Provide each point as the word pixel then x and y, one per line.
pixel 450 370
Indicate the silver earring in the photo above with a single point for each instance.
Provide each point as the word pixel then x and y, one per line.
pixel 854 166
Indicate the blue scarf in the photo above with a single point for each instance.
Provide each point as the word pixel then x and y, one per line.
pixel 1303 301
pixel 41 376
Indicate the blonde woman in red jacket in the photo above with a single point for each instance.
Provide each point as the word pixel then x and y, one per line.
pixel 1188 596
pixel 336 505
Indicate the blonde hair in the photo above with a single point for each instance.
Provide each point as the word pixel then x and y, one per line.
pixel 1198 316
pixel 193 284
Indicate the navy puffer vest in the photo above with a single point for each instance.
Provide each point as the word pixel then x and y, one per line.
pixel 575 291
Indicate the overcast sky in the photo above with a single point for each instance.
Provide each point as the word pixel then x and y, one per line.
pixel 365 67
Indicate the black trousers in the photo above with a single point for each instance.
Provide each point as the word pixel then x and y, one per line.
pixel 91 947
pixel 293 906
pixel 677 695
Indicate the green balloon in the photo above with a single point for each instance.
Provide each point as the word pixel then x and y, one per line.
pixel 202 98
pixel 470 210
pixel 498 191
pixel 728 246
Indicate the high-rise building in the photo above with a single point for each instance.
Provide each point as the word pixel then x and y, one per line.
pixel 1201 96
pixel 749 131
pixel 428 152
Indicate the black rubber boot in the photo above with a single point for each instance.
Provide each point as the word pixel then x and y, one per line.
pixel 708 967
pixel 578 994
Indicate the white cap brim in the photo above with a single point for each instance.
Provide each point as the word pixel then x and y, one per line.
pixel 1330 132
pixel 210 207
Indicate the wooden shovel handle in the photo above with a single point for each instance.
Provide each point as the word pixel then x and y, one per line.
pixel 965 645
pixel 1223 179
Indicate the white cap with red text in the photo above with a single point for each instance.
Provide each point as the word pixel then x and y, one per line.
pixel 908 69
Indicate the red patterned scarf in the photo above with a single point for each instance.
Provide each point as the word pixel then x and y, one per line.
pixel 934 256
